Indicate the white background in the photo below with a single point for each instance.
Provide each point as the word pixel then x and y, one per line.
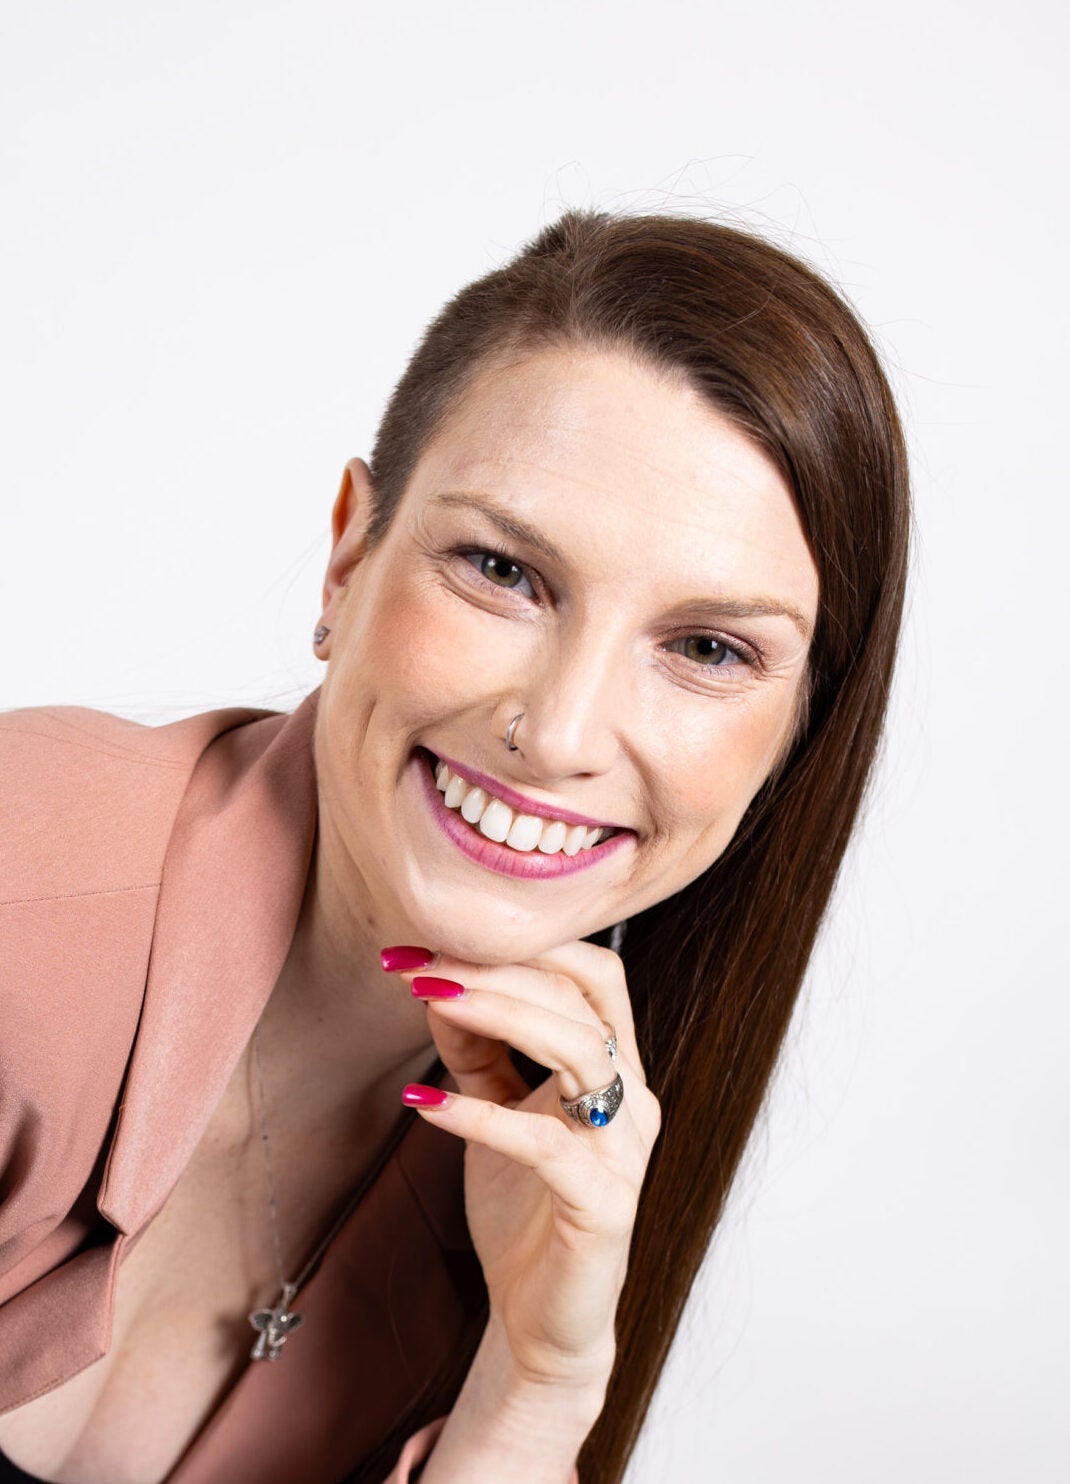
pixel 224 227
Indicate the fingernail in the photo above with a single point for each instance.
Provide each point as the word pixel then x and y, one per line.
pixel 404 956
pixel 417 1095
pixel 429 987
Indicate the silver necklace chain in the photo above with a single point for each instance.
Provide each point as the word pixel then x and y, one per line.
pixel 275 1325
pixel 265 1141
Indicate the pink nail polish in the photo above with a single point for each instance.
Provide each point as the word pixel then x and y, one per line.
pixel 404 956
pixel 430 987
pixel 417 1095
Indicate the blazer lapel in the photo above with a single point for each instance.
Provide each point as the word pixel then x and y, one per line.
pixel 233 881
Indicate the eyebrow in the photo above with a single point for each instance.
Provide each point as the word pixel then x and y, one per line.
pixel 519 530
pixel 752 608
pixel 509 525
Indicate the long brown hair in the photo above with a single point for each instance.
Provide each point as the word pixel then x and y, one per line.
pixel 714 971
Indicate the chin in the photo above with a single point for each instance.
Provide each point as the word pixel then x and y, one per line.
pixel 504 943
pixel 480 934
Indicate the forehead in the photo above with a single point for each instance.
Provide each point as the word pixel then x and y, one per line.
pixel 597 449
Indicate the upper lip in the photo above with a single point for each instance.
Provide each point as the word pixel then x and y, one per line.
pixel 519 801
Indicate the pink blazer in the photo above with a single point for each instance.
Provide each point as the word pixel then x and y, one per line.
pixel 150 882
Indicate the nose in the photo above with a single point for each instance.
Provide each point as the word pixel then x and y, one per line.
pixel 574 700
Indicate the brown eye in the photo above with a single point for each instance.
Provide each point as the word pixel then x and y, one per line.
pixel 500 570
pixel 497 569
pixel 706 650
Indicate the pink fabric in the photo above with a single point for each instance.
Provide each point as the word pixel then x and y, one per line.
pixel 150 882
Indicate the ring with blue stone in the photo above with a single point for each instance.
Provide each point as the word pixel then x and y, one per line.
pixel 596 1109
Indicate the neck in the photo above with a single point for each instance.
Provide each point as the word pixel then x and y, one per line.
pixel 332 1005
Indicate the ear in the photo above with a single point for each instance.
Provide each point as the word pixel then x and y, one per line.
pixel 349 523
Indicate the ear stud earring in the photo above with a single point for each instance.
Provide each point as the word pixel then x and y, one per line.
pixel 320 634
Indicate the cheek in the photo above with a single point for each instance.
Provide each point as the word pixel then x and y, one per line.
pixel 714 768
pixel 424 650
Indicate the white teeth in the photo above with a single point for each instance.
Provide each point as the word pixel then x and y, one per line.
pixel 574 839
pixel 526 833
pixel 497 821
pixel 553 837
pixel 473 804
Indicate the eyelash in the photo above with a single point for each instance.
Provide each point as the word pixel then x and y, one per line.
pixel 502 556
pixel 748 656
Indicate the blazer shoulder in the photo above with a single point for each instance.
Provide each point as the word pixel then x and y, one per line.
pixel 87 799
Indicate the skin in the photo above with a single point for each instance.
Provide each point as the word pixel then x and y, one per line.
pixel 666 520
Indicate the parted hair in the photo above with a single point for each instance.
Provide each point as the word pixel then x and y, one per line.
pixel 713 971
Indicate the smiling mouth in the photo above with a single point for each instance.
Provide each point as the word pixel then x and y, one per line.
pixel 498 821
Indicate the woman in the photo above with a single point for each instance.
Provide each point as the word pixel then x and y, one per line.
pixel 609 624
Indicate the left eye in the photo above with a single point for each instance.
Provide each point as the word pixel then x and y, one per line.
pixel 500 570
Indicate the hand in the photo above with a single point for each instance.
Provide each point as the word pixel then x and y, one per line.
pixel 551 1204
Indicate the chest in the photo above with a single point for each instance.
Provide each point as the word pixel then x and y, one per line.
pixel 181 1335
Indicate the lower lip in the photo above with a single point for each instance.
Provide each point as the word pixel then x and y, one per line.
pixel 531 864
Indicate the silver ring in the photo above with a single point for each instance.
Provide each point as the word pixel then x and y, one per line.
pixel 511 729
pixel 596 1109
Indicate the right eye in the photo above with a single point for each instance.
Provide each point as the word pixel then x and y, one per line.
pixel 498 569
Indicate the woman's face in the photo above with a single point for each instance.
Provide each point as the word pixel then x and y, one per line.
pixel 587 542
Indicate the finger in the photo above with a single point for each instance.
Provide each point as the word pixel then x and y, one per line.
pixel 553 1044
pixel 552 989
pixel 597 1197
pixel 543 983
pixel 575 1051
pixel 479 1064
pixel 599 969
pixel 578 980
pixel 599 975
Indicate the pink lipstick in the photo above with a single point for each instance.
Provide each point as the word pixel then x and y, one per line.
pixel 531 865
pixel 517 801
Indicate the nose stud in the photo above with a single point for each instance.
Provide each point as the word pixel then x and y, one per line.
pixel 511 731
